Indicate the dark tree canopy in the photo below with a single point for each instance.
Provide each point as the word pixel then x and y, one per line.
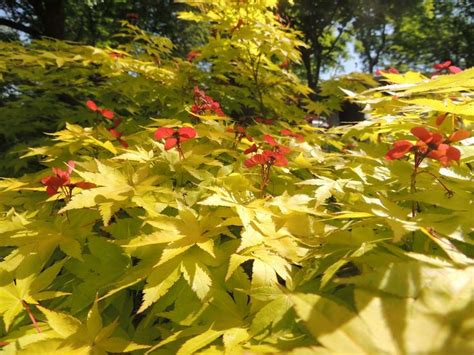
pixel 324 24
pixel 399 33
pixel 373 28
pixel 94 22
pixel 435 31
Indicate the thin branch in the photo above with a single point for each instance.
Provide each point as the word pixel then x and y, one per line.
pixel 449 192
pixel 330 20
pixel 381 47
pixel 341 31
pixel 32 317
pixel 38 7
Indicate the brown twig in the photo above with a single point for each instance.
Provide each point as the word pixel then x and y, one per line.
pixel 448 191
pixel 32 317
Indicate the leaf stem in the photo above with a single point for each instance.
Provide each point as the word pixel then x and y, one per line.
pixel 32 317
pixel 180 151
pixel 265 178
pixel 418 160
pixel 262 183
pixel 448 191
pixel 414 205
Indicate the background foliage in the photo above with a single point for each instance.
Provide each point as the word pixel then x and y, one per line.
pixel 384 33
pixel 159 253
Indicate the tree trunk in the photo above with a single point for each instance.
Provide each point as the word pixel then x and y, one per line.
pixel 317 71
pixel 53 19
pixel 306 55
pixel 372 64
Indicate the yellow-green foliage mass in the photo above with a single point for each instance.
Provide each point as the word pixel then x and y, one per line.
pixel 162 241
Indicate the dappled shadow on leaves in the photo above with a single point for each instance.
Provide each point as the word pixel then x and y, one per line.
pixel 392 304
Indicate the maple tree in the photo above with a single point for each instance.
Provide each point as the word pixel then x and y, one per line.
pixel 226 223
pixel 62 179
pixel 174 138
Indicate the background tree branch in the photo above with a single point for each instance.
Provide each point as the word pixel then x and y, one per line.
pixel 20 27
